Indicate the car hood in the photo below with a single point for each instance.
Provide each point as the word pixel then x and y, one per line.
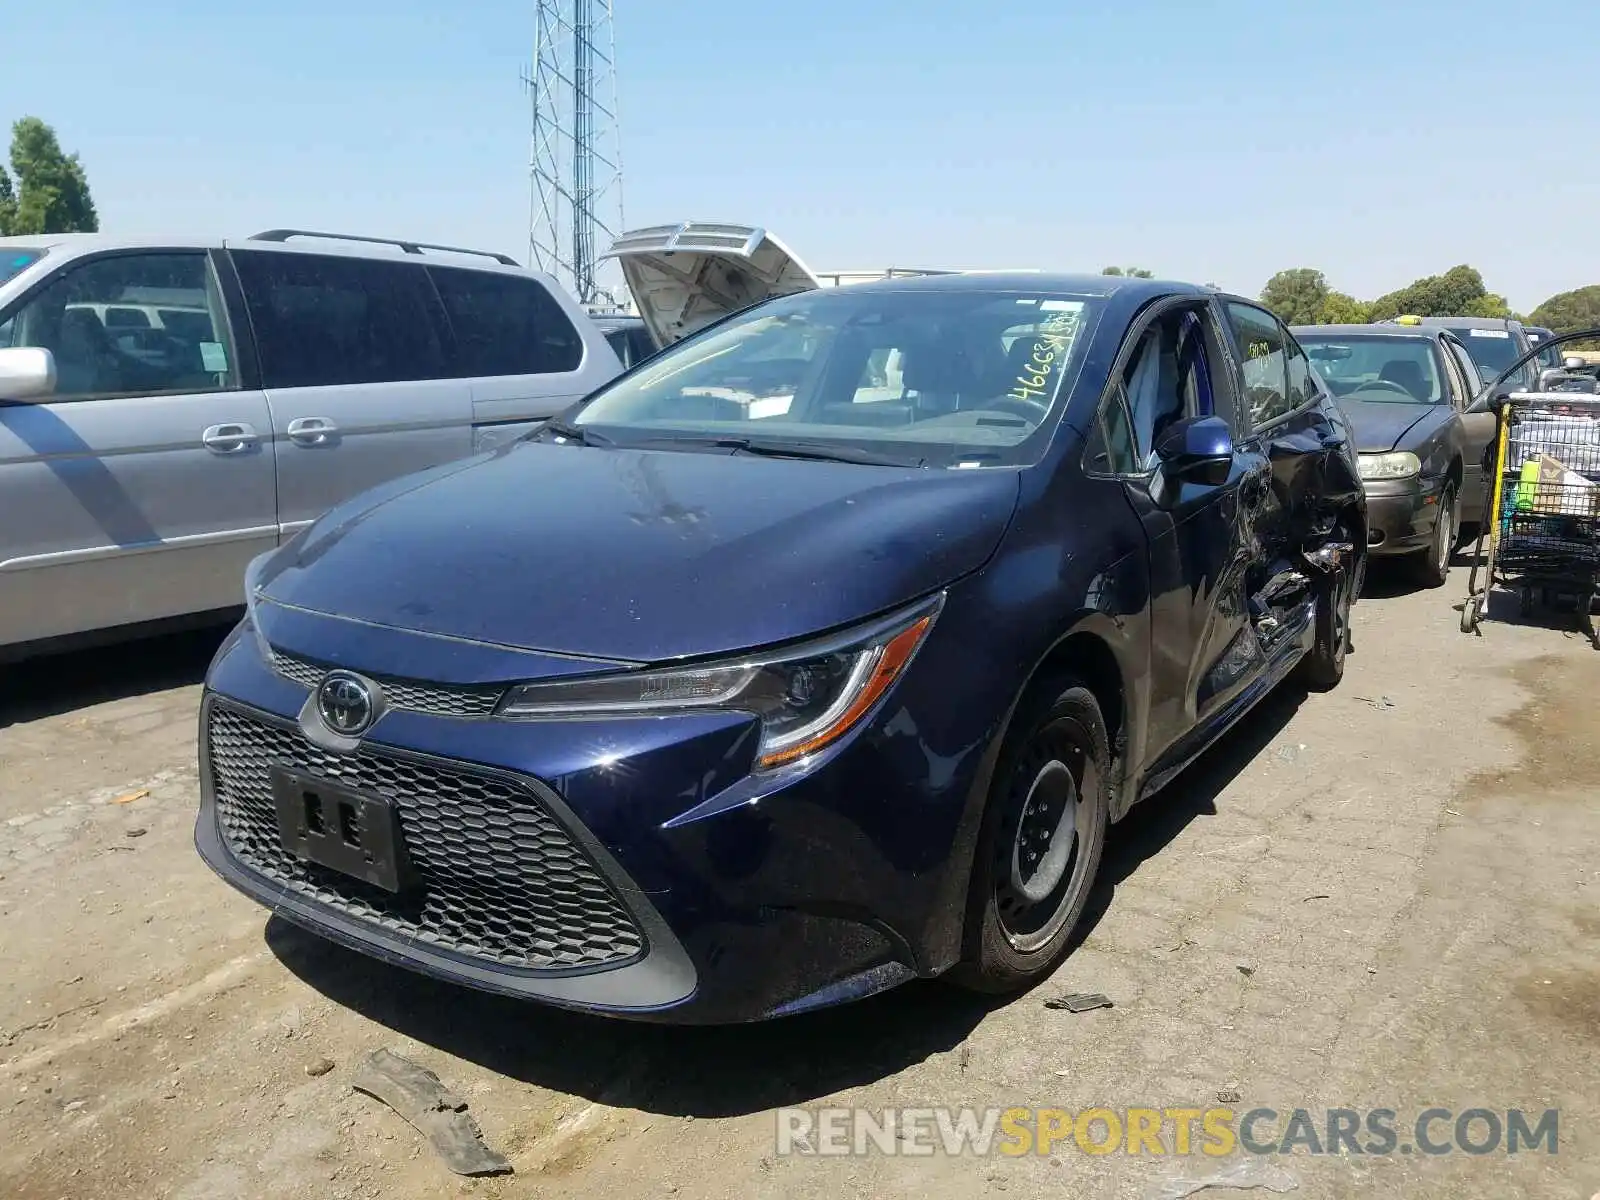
pixel 1381 427
pixel 641 555
pixel 683 277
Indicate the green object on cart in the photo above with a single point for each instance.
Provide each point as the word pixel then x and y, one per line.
pixel 1527 485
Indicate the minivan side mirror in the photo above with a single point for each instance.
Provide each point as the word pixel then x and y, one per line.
pixel 1573 363
pixel 1197 450
pixel 26 373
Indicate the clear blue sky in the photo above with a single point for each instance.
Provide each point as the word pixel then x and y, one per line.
pixel 1211 141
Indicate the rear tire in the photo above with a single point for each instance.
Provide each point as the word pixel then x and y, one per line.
pixel 1041 842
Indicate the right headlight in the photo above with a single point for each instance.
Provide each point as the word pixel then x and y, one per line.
pixel 807 696
pixel 1401 464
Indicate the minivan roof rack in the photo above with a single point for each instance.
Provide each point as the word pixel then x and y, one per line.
pixel 283 235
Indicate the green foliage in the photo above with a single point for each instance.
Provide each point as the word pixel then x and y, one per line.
pixel 1566 312
pixel 1341 309
pixel 1130 272
pixel 1297 295
pixel 51 193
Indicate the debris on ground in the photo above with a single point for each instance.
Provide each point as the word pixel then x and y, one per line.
pixel 130 797
pixel 137 831
pixel 1246 969
pixel 1380 702
pixel 432 1109
pixel 318 1067
pixel 1078 1002
pixel 1251 1173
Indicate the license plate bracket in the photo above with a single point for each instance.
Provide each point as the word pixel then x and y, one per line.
pixel 342 828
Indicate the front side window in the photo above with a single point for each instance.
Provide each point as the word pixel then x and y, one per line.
pixel 323 319
pixel 506 324
pixel 99 321
pixel 1261 349
pixel 1378 370
pixel 948 377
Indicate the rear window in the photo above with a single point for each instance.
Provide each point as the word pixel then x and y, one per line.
pixel 506 324
pixel 15 262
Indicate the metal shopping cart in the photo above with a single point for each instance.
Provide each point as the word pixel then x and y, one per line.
pixel 1543 520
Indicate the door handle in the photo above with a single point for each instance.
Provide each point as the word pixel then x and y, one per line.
pixel 229 438
pixel 310 431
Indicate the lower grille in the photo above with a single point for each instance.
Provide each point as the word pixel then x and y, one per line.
pixel 499 878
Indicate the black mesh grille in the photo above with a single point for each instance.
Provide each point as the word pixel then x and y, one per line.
pixel 500 879
pixel 435 699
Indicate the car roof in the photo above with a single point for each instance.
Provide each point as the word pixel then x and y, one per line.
pixel 1471 322
pixel 1031 281
pixel 1431 333
pixel 89 243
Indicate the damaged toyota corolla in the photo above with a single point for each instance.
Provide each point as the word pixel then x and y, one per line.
pixel 811 656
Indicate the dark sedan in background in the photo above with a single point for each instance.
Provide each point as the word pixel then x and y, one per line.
pixel 814 655
pixel 1407 389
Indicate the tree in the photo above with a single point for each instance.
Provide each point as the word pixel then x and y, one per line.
pixel 1459 292
pixel 52 191
pixel 1296 295
pixel 1130 272
pixel 1566 312
pixel 1341 309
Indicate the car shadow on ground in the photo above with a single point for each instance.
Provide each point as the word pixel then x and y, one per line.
pixel 52 684
pixel 745 1068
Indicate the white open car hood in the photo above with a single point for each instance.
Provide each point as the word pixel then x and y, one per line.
pixel 683 277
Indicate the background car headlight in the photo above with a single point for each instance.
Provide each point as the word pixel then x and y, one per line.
pixel 806 697
pixel 1400 465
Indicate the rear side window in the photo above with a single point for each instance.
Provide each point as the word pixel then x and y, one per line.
pixel 506 324
pixel 323 320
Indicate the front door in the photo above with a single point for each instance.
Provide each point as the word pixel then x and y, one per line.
pixel 356 369
pixel 1201 538
pixel 1478 430
pixel 143 486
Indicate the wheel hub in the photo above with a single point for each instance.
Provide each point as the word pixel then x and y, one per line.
pixel 1046 833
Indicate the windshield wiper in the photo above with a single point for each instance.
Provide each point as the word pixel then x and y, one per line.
pixel 573 433
pixel 819 451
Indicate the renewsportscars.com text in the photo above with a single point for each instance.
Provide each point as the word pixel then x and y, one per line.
pixel 1164 1131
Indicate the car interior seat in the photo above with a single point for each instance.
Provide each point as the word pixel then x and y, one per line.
pixel 1408 374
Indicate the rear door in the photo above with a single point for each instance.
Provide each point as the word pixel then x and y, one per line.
pixel 356 366
pixel 141 489
pixel 518 350
pixel 1478 430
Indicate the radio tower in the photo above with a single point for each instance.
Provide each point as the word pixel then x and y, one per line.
pixel 575 161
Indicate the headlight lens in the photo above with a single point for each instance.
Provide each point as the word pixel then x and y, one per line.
pixel 1399 465
pixel 806 697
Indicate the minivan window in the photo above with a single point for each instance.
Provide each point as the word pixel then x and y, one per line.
pixel 1493 350
pixel 506 324
pixel 95 356
pixel 975 374
pixel 15 262
pixel 323 320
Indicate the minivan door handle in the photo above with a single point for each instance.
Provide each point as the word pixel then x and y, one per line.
pixel 229 438
pixel 310 431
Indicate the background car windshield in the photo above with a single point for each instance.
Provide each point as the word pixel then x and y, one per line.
pixel 1493 350
pixel 1377 370
pixel 948 376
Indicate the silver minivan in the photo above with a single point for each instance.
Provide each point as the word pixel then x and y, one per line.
pixel 170 409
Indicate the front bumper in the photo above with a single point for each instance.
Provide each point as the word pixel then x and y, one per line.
pixel 690 891
pixel 1401 514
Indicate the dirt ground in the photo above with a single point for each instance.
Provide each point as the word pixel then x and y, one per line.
pixel 1382 897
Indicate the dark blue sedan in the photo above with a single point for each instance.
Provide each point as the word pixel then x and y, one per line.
pixel 813 655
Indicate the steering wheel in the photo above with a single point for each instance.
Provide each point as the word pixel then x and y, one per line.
pixel 1385 385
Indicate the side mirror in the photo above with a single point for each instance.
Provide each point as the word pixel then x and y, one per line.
pixel 1197 450
pixel 1573 363
pixel 26 373
pixel 1550 376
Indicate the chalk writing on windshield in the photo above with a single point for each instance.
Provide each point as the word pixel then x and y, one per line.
pixel 1050 348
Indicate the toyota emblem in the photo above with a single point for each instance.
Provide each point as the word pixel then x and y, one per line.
pixel 345 703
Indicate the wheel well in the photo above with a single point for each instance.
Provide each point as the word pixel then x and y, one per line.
pixel 1088 658
pixel 1454 473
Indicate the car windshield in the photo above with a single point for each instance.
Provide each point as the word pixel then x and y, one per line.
pixel 947 377
pixel 14 261
pixel 1377 370
pixel 1493 350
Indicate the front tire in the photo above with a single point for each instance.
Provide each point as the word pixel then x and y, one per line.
pixel 1042 838
pixel 1433 565
pixel 1322 669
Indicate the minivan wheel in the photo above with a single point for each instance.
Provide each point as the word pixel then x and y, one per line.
pixel 1042 837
